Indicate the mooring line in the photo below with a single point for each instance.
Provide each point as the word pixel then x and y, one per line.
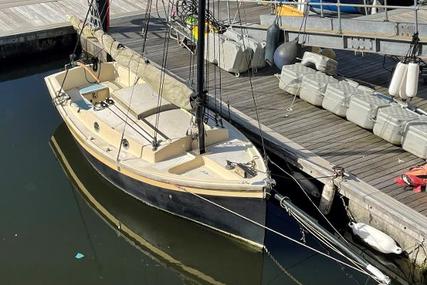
pixel 283 269
pixel 280 234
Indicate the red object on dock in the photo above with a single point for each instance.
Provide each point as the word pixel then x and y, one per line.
pixel 415 177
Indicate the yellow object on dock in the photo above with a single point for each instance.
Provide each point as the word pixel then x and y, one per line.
pixel 287 10
pixel 209 28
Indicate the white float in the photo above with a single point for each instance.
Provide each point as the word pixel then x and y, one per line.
pixel 402 89
pixel 397 78
pixel 375 238
pixel 412 76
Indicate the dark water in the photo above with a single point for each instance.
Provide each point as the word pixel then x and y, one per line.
pixel 52 209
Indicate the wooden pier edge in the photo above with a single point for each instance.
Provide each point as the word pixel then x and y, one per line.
pixel 33 40
pixel 366 203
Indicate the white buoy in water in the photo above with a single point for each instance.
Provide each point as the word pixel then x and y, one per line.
pixel 412 76
pixel 375 238
pixel 397 78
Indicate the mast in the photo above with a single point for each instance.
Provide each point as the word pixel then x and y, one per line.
pixel 201 94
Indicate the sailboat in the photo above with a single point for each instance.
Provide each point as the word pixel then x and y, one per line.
pixel 150 135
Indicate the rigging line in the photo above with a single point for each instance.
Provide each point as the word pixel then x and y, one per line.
pixel 162 74
pixel 85 226
pixel 250 74
pixel 193 62
pixel 102 20
pixel 206 82
pixel 190 69
pixel 323 239
pixel 306 227
pixel 283 269
pixel 147 19
pixel 306 14
pixel 166 16
pixel 218 69
pixel 347 210
pixel 142 135
pixel 214 71
pixel 104 7
pixel 274 231
pixel 305 178
pixel 61 89
pixel 311 201
pixel 237 7
pixel 128 108
pixel 303 22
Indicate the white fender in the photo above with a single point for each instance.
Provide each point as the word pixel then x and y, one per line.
pixel 327 198
pixel 396 80
pixel 375 238
pixel 402 89
pixel 374 10
pixel 321 62
pixel 412 77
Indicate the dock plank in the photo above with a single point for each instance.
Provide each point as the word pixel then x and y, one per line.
pixel 17 17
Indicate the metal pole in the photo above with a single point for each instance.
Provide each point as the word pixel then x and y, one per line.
pixel 386 11
pixel 416 15
pixel 228 12
pixel 201 95
pixel 291 208
pixel 321 8
pixel 339 16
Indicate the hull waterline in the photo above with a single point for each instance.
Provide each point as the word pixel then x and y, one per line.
pixel 192 207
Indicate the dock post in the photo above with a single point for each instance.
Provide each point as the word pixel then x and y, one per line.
pixel 386 11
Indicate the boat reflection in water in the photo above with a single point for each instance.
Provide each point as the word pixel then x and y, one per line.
pixel 198 253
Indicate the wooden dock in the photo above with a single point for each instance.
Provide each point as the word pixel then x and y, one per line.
pixel 311 138
pixel 21 16
pixel 31 26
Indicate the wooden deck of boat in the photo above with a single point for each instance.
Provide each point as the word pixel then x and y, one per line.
pixel 326 135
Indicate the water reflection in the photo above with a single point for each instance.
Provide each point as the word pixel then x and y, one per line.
pixel 199 254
